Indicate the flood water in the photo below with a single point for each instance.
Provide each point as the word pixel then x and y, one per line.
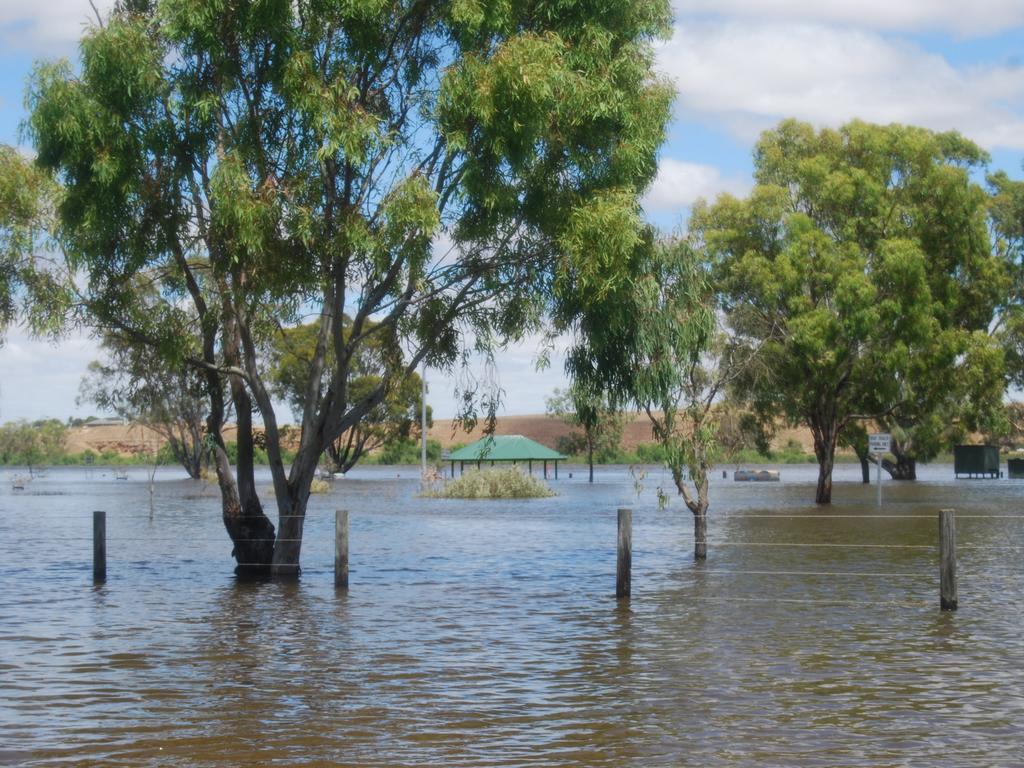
pixel 487 633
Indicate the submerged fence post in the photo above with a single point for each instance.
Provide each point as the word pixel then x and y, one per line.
pixel 947 560
pixel 624 562
pixel 99 546
pixel 341 548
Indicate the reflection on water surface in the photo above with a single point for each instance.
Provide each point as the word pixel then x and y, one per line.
pixel 485 634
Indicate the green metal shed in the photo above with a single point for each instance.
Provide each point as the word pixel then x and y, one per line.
pixel 506 448
pixel 976 460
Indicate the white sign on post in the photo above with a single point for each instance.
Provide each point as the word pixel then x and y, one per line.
pixel 880 443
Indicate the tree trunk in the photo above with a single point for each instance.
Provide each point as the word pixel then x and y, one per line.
pixel 590 460
pixel 292 518
pixel 700 535
pixel 823 493
pixel 904 468
pixel 865 470
pixel 250 529
pixel 288 548
pixel 826 436
pixel 698 505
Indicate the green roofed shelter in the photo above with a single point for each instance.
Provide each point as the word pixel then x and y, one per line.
pixel 506 448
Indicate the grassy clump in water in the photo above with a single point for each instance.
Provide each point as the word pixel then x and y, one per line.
pixel 507 483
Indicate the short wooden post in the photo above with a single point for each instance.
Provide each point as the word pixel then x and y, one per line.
pixel 947 560
pixel 341 548
pixel 99 546
pixel 624 562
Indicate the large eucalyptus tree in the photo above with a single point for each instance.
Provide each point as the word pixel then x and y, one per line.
pixel 265 162
pixel 861 265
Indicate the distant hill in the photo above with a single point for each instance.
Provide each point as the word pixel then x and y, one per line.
pixel 544 429
pixel 128 439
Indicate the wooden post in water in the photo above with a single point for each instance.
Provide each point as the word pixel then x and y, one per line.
pixel 624 561
pixel 341 548
pixel 947 560
pixel 99 546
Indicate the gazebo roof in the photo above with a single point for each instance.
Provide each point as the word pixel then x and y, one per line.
pixel 506 448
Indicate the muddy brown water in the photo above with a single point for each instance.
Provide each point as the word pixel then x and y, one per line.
pixel 486 634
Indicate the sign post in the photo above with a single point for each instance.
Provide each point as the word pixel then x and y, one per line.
pixel 878 444
pixel 423 426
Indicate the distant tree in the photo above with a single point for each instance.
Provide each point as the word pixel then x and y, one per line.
pixel 1012 435
pixel 862 265
pixel 404 451
pixel 32 443
pixel 396 418
pixel 138 385
pixel 602 425
pixel 936 411
pixel 738 429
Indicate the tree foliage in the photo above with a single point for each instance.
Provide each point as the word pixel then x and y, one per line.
pixel 261 163
pixel 861 264
pixel 31 287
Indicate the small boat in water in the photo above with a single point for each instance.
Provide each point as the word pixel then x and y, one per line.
pixel 756 476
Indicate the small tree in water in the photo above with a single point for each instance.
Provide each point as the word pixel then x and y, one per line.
pixel 264 163
pixel 655 344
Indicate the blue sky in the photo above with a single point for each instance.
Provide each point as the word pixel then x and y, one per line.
pixel 739 67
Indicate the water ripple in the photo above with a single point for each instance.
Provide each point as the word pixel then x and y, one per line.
pixel 482 634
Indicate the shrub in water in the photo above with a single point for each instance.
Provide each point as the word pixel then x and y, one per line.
pixel 508 483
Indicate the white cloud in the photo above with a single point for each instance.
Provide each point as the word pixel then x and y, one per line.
pixel 680 184
pixel 750 76
pixel 978 17
pixel 47 28
pixel 39 379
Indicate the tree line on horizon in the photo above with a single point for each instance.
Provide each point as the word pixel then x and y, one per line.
pixel 304 202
